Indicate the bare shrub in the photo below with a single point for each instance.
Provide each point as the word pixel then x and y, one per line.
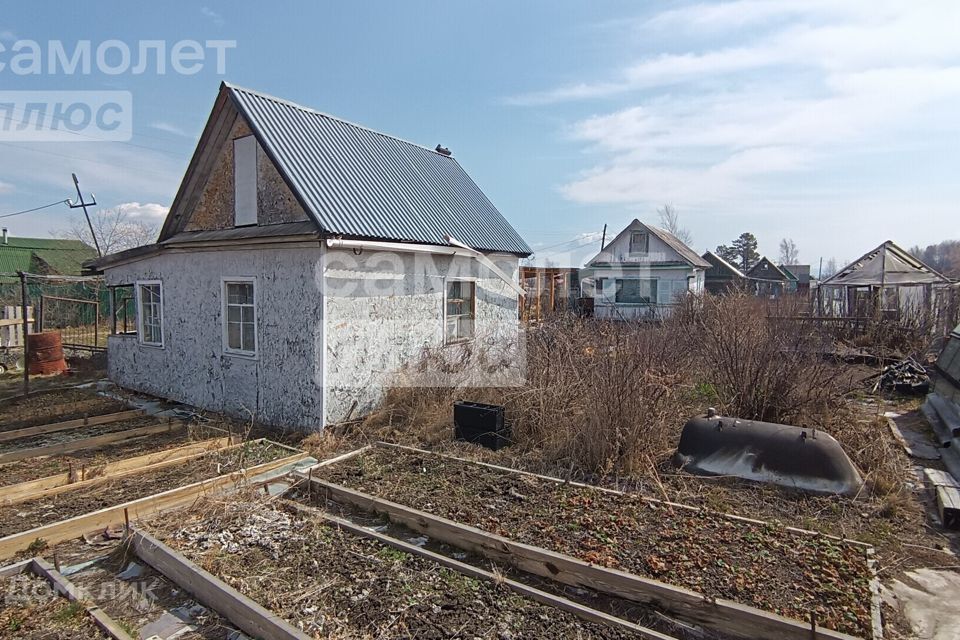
pixel 760 367
pixel 599 397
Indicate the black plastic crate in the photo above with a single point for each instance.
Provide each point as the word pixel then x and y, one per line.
pixel 481 424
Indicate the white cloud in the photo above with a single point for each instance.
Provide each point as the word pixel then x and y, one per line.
pixel 148 211
pixel 166 127
pixel 215 17
pixel 6 187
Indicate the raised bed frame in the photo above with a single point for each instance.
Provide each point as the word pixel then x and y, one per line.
pixel 75 479
pixel 64 587
pixel 92 442
pixel 720 614
pixel 142 507
pixel 86 421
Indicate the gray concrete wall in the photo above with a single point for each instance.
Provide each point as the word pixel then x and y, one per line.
pixel 283 385
pixel 383 310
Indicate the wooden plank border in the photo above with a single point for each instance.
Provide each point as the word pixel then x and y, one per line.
pixel 341 458
pixel 549 599
pixel 87 421
pixel 52 485
pixel 91 443
pixel 677 505
pixel 249 616
pixel 716 613
pixel 139 508
pixel 63 587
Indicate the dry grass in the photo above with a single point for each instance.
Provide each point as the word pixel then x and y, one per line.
pixel 609 399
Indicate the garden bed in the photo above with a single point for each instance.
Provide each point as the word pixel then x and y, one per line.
pixel 32 609
pixel 331 583
pixel 143 601
pixel 55 406
pixel 761 565
pixel 38 512
pixel 92 459
pixel 73 435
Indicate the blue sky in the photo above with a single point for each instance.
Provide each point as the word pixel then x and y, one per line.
pixel 831 123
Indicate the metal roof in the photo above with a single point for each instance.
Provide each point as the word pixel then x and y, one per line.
pixel 357 182
pixel 63 257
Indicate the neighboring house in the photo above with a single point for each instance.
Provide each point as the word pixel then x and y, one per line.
pixel 767 280
pixel 800 278
pixel 642 273
pixel 722 276
pixel 887 279
pixel 43 256
pixel 304 261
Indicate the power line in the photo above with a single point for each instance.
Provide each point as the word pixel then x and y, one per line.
pixel 46 206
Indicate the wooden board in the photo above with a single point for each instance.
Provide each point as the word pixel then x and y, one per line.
pixel 719 614
pixel 250 617
pixel 68 481
pixel 137 509
pixel 90 443
pixel 62 586
pixel 655 501
pixel 66 588
pixel 527 591
pixel 6 436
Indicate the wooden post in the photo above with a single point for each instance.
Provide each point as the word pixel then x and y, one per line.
pixel 39 319
pixel 96 324
pixel 26 330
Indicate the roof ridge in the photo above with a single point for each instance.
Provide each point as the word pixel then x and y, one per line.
pixel 295 105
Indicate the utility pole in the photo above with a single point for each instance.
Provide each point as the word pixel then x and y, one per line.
pixel 81 203
pixel 603 239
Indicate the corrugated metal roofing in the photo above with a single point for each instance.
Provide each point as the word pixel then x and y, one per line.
pixel 887 264
pixel 360 183
pixel 63 257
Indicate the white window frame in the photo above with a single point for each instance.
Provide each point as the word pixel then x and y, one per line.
pixel 446 284
pixel 630 248
pixel 140 332
pixel 240 353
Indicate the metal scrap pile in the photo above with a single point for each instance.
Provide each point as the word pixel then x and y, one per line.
pixel 904 376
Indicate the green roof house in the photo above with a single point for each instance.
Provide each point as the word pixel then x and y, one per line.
pixel 43 256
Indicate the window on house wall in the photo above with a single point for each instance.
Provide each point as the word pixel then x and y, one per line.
pixel 460 310
pixel 240 317
pixel 639 242
pixel 636 291
pixel 150 312
pixel 124 300
pixel 245 181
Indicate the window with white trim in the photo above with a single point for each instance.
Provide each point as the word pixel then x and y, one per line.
pixel 150 312
pixel 239 317
pixel 460 310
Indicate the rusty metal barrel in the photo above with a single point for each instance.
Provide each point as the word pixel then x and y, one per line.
pixel 45 353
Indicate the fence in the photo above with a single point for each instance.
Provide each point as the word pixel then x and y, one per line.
pixel 76 307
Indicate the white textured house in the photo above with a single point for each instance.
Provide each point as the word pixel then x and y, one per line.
pixel 642 273
pixel 303 262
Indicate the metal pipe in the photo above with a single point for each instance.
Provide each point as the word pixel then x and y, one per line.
pixel 26 332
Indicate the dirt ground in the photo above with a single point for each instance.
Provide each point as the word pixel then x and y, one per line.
pixel 93 459
pixel 333 584
pixel 74 435
pixel 757 565
pixel 31 610
pixel 42 511
pixel 48 407
pixel 136 597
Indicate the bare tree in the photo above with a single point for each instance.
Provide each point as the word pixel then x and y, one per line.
pixel 829 269
pixel 670 220
pixel 115 230
pixel 788 252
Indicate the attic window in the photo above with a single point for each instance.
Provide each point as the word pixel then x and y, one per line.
pixel 639 243
pixel 245 181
